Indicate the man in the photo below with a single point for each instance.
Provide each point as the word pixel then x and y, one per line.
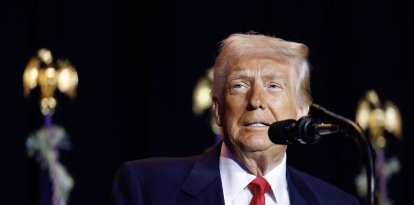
pixel 258 80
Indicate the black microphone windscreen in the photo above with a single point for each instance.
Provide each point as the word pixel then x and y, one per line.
pixel 279 131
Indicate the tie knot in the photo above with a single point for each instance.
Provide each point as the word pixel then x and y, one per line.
pixel 259 185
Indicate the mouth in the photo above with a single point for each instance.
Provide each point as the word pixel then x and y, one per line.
pixel 257 124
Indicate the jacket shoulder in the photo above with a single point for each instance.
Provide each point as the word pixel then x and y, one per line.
pixel 135 181
pixel 158 168
pixel 322 191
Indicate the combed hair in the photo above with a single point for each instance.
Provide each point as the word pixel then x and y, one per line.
pixel 238 46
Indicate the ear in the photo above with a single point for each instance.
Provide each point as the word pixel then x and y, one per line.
pixel 217 111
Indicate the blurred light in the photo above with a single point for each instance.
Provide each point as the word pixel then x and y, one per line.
pixel 202 99
pixel 41 71
pixel 50 74
pixel 68 81
pixel 381 142
pixel 48 105
pixel 373 98
pixel 30 75
pixel 375 118
pixel 363 113
pixel 45 55
pixel 393 121
pixel 202 94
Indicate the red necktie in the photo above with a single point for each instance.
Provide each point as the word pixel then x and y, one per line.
pixel 258 187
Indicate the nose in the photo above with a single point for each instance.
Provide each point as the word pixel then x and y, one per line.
pixel 256 100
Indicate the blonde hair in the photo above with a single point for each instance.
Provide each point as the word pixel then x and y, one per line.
pixel 237 46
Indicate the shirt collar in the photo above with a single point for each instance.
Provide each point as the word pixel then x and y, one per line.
pixel 235 179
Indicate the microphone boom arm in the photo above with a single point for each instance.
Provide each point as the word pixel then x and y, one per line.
pixel 364 143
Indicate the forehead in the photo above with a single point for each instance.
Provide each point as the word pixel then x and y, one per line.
pixel 262 66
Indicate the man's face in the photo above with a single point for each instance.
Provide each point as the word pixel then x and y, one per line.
pixel 257 93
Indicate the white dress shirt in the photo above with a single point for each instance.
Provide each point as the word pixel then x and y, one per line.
pixel 235 180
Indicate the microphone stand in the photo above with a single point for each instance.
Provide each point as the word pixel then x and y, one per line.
pixel 364 143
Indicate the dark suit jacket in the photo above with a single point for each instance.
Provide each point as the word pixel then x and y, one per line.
pixel 196 181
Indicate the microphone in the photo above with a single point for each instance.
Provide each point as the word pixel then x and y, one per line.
pixel 307 130
pixel 303 131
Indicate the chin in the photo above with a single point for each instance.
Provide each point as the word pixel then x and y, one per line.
pixel 257 143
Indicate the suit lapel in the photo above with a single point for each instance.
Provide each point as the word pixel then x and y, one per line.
pixel 203 184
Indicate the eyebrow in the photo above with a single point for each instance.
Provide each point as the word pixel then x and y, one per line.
pixel 246 74
pixel 238 75
pixel 272 75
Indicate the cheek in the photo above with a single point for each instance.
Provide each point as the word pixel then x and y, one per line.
pixel 285 107
pixel 233 110
pixel 234 106
pixel 231 115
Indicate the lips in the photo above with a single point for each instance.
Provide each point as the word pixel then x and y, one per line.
pixel 257 124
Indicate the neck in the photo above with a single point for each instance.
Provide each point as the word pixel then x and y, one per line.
pixel 261 162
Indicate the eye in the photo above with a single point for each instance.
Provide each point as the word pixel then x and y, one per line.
pixel 275 87
pixel 238 87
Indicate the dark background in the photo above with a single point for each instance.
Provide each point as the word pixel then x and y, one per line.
pixel 139 61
